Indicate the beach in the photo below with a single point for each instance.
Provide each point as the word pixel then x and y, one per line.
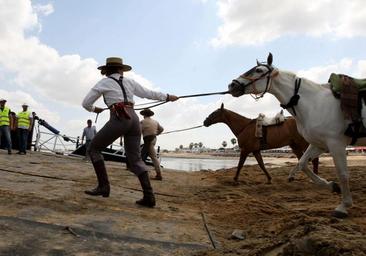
pixel 44 211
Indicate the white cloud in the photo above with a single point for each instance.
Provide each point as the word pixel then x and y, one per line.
pixel 346 66
pixel 16 98
pixel 62 78
pixel 46 9
pixel 258 22
pixel 33 64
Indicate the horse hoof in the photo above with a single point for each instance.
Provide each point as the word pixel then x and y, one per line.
pixel 291 179
pixel 336 188
pixel 339 214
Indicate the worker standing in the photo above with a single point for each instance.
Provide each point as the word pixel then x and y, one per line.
pixel 150 129
pixel 24 125
pixel 88 133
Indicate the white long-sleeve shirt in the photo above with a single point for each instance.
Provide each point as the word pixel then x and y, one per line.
pixel 112 92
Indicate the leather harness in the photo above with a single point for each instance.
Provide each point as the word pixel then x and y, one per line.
pixel 119 108
pixel 295 98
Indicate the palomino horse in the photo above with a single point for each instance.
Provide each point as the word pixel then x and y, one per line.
pixel 318 116
pixel 281 135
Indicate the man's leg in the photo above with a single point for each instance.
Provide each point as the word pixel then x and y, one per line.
pixel 1 134
pixel 26 133
pixel 154 158
pixel 20 139
pixel 137 166
pixel 109 133
pixel 87 157
pixel 23 140
pixel 8 138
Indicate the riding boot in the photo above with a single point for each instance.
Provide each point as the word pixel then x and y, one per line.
pixel 158 175
pixel 103 188
pixel 149 199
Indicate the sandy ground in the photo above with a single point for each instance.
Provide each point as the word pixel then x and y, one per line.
pixel 43 211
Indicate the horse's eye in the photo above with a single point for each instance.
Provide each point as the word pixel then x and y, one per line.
pixel 258 70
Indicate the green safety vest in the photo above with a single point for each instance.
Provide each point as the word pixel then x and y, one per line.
pixel 23 119
pixel 4 116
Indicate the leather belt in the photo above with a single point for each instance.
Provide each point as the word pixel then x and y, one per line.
pixel 120 109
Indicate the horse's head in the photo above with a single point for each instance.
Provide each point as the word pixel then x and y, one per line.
pixel 256 81
pixel 215 117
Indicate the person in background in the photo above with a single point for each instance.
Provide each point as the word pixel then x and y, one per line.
pixel 4 124
pixel 118 92
pixel 150 129
pixel 88 133
pixel 24 119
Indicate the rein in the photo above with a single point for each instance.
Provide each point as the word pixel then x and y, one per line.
pixel 295 98
pixel 158 103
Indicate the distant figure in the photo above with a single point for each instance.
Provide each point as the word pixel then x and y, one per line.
pixel 89 133
pixel 150 129
pixel 24 125
pixel 4 124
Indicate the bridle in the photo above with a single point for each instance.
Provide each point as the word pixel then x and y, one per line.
pixel 269 74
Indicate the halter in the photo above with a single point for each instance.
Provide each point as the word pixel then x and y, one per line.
pixel 267 74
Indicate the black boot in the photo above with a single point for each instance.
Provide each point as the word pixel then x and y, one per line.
pixel 103 188
pixel 149 199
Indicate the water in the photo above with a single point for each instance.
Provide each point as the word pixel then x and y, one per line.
pixel 195 164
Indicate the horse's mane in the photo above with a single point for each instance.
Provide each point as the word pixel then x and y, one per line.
pixel 237 115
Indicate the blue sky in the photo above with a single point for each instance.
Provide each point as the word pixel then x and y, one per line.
pixel 49 51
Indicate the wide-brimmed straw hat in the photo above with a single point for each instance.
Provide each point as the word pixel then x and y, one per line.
pixel 147 112
pixel 113 62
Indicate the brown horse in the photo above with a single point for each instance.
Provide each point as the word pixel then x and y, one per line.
pixel 285 134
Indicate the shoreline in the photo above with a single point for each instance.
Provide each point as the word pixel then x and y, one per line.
pixel 270 161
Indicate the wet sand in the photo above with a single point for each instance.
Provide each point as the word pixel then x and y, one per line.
pixel 45 212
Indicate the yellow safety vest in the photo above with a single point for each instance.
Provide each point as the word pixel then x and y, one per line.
pixel 4 116
pixel 23 119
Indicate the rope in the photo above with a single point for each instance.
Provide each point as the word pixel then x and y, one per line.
pixel 77 181
pixel 182 130
pixel 152 106
pixel 147 103
pixel 203 94
pixel 158 103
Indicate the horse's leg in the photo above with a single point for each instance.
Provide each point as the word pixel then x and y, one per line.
pixel 315 163
pixel 338 153
pixel 313 153
pixel 243 156
pixel 258 157
pixel 298 152
pixel 310 153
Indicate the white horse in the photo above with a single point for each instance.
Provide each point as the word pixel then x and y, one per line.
pixel 318 116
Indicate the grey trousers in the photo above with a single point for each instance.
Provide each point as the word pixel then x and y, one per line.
pixel 112 130
pixel 149 147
